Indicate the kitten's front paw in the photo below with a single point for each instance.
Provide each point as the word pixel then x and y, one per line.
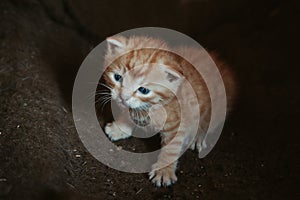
pixel 114 132
pixel 163 177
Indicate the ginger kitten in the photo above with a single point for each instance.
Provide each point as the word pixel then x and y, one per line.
pixel 132 78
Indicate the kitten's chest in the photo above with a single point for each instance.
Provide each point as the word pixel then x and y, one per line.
pixel 140 117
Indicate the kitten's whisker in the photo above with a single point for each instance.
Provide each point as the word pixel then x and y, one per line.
pixel 95 93
pixel 92 95
pixel 108 100
pixel 108 87
pixel 102 93
pixel 102 99
pixel 144 108
pixel 97 96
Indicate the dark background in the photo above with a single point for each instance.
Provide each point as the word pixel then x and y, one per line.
pixel 43 44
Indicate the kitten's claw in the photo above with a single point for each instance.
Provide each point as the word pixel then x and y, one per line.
pixel 151 175
pixel 163 177
pixel 193 145
pixel 114 133
pixel 201 145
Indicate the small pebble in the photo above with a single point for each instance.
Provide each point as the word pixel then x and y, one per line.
pixel 84 163
pixel 64 109
pixel 18 126
pixel 119 148
pixel 77 156
pixel 139 191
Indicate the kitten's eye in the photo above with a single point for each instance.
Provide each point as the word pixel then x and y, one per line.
pixel 117 77
pixel 143 90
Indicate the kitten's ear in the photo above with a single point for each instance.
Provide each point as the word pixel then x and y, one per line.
pixel 115 43
pixel 172 75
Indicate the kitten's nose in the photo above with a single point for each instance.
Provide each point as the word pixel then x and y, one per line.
pixel 125 94
pixel 124 98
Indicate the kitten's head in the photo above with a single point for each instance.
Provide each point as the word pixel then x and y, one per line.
pixel 139 74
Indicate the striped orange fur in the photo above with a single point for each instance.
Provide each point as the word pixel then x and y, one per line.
pixel 140 62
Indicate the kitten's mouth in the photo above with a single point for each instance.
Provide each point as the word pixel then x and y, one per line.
pixel 123 103
pixel 140 117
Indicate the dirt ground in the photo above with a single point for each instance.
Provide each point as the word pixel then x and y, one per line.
pixel 43 44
